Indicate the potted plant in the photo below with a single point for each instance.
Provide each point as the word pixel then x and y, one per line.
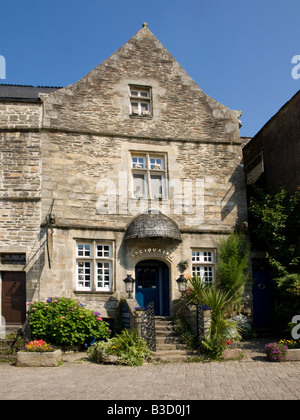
pixel 276 352
pixel 39 353
pixel 293 351
pixel 183 264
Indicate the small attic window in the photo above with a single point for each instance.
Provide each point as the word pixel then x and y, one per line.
pixel 140 101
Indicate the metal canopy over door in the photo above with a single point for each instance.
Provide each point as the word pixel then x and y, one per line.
pixel 14 296
pixel 152 284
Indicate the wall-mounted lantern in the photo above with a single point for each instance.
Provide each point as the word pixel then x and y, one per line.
pixel 129 282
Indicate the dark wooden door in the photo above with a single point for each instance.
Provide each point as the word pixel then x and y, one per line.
pixel 263 301
pixel 14 296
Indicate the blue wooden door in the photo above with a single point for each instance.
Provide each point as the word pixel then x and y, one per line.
pixel 152 285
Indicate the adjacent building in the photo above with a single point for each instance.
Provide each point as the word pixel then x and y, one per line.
pixel 272 162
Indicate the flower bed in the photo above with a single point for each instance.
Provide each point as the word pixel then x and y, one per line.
pixel 39 353
pixel 232 349
pixel 285 350
pixel 293 352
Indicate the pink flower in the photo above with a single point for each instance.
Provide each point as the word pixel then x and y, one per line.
pixel 99 318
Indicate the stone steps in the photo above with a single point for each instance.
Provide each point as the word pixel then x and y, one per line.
pixel 169 347
pixel 6 353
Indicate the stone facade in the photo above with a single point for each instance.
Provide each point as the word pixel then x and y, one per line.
pixel 272 156
pixel 67 178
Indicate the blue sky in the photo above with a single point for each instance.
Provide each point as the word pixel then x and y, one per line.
pixel 239 52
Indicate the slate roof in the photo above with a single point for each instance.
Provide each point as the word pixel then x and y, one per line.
pixel 23 92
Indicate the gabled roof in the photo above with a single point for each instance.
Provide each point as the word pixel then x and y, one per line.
pixel 99 101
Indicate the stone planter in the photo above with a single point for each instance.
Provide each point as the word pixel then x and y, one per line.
pixel 293 355
pixel 35 359
pixel 107 358
pixel 229 354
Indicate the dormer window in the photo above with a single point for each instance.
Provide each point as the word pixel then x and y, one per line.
pixel 140 101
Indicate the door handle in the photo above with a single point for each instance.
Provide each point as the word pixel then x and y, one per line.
pixel 261 286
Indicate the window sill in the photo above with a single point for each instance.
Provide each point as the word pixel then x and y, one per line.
pixel 149 200
pixel 93 292
pixel 149 117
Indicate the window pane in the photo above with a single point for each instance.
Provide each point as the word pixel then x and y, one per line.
pixel 144 107
pixel 84 275
pixel 156 163
pixel 84 250
pixel 144 93
pixel 202 256
pixel 14 259
pixel 134 107
pixel 103 275
pixel 103 251
pixel 134 93
pixel 206 273
pixel 138 162
pixel 156 186
pixel 138 185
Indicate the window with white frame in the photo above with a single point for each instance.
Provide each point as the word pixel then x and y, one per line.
pixel 140 100
pixel 94 265
pixel 203 264
pixel 149 175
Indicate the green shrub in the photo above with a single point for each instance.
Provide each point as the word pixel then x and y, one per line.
pixel 233 259
pixel 287 301
pixel 130 348
pixel 222 328
pixel 65 322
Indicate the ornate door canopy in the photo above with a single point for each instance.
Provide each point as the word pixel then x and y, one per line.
pixel 152 225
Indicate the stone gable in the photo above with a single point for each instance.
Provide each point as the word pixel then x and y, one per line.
pixel 99 102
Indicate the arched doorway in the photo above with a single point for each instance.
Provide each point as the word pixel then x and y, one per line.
pixel 152 284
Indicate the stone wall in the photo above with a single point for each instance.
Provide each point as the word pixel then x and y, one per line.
pixel 20 115
pixel 99 102
pixel 279 143
pixel 89 177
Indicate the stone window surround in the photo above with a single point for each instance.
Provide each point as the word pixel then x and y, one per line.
pixel 204 263
pixel 93 257
pixel 146 171
pixel 142 101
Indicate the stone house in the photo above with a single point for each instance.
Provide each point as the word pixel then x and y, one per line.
pixel 128 171
pixel 272 157
pixel 272 162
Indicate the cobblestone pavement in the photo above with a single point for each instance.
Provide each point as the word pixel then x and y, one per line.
pixel 252 378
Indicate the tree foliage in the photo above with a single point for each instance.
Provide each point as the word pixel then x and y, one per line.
pixel 233 260
pixel 275 222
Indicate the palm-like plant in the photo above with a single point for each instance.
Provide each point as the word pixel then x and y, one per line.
pixel 218 301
